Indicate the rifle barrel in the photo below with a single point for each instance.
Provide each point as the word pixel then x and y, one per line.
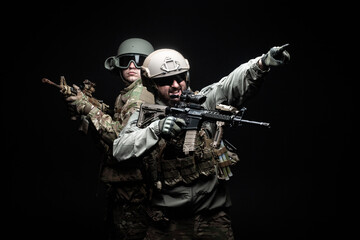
pixel 45 80
pixel 255 122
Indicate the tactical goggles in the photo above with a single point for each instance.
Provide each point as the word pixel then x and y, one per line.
pixel 168 81
pixel 124 61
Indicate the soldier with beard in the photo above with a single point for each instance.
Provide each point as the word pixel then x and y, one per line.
pixel 190 197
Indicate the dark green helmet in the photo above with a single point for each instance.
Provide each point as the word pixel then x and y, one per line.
pixel 135 45
pixel 131 50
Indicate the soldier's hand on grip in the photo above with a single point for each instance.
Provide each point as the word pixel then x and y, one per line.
pixel 276 56
pixel 171 126
pixel 64 88
pixel 78 96
pixel 79 103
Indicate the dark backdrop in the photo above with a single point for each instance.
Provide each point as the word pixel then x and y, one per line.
pixel 284 187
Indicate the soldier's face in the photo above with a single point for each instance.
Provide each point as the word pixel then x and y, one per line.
pixel 131 74
pixel 170 94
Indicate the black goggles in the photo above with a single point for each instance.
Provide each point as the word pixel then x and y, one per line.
pixel 164 81
pixel 124 61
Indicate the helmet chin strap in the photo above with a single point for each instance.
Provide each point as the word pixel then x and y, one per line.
pixel 188 81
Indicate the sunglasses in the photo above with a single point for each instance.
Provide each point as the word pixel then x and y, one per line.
pixel 125 60
pixel 168 81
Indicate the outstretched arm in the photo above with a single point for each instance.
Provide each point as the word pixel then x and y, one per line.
pixel 245 80
pixel 234 89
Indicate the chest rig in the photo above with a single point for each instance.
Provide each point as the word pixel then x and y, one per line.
pixel 126 103
pixel 189 156
pixel 130 98
pixel 195 152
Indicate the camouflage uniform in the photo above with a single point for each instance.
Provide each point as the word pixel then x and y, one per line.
pixel 211 225
pixel 193 201
pixel 126 191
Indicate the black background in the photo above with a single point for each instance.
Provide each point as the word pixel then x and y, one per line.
pixel 286 184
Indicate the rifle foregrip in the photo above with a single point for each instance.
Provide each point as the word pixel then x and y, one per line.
pixel 217 116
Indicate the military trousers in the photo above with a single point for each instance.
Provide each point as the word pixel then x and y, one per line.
pixel 209 225
pixel 126 219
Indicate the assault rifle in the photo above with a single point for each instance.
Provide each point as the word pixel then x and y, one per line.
pixel 190 109
pixel 87 87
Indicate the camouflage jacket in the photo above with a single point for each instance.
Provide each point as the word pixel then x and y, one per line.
pixel 108 128
pixel 130 98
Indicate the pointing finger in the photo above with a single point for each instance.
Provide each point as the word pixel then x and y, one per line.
pixel 283 47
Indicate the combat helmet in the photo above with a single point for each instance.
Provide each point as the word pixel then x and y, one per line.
pixel 164 63
pixel 131 50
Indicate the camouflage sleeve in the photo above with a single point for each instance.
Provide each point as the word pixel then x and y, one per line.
pixel 104 124
pixel 108 128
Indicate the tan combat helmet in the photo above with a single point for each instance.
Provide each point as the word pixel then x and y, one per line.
pixel 163 63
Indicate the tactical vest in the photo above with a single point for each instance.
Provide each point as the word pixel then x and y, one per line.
pixel 168 164
pixel 129 99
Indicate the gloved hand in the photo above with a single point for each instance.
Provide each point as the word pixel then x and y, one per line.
pixel 276 56
pixel 78 104
pixel 171 126
pixel 69 96
pixel 66 90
